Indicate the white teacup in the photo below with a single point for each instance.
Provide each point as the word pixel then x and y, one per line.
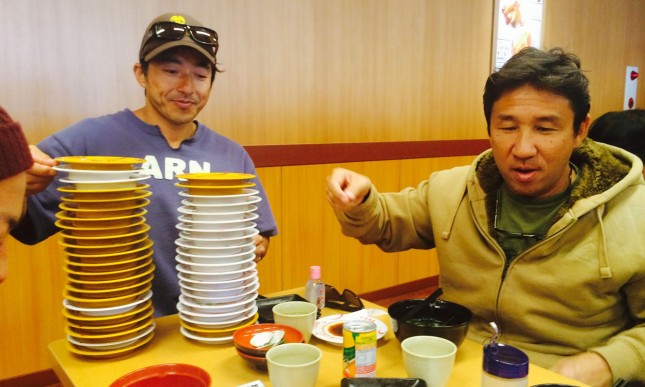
pixel 293 365
pixel 298 314
pixel 429 358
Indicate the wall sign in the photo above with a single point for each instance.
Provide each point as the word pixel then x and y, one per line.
pixel 517 24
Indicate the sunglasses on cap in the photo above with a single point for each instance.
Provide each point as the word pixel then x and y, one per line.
pixel 175 31
pixel 347 301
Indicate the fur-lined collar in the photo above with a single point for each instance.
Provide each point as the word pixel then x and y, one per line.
pixel 600 169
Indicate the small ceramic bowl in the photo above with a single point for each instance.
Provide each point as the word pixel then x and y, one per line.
pixel 243 336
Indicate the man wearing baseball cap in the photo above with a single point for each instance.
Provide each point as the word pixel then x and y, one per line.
pixel 176 68
pixel 15 160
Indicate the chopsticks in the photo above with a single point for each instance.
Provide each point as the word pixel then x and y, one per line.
pixel 620 383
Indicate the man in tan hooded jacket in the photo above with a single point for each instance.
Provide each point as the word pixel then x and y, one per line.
pixel 542 234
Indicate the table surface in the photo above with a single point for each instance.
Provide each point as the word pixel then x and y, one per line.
pixel 227 368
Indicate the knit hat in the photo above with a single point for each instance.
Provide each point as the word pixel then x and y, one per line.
pixel 15 156
pixel 153 42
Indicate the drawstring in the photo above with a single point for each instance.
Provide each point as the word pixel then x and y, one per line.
pixel 605 269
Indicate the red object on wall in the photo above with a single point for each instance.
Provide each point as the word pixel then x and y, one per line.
pixel 633 75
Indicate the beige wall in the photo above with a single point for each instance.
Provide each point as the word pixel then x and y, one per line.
pixel 296 71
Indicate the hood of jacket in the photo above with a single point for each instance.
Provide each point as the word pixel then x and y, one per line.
pixel 605 171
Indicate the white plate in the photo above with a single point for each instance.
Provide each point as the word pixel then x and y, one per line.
pixel 232 241
pixel 105 183
pixel 189 246
pixel 323 326
pixel 223 318
pixel 206 340
pixel 217 206
pixel 115 344
pixel 207 284
pixel 222 276
pixel 206 232
pixel 215 267
pixel 93 174
pixel 221 224
pixel 109 311
pixel 220 199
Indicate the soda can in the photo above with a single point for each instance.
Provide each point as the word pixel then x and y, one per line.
pixel 359 349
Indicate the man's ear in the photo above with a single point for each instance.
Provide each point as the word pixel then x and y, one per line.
pixel 583 131
pixel 139 75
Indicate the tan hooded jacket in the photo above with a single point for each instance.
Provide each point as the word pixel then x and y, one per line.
pixel 580 289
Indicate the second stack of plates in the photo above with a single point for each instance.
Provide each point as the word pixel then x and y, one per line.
pixel 215 255
pixel 108 256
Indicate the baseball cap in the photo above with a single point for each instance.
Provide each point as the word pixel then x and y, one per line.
pixel 15 156
pixel 165 32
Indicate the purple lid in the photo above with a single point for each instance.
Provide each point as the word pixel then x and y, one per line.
pixel 505 361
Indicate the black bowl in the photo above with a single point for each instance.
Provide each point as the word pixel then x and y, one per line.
pixel 447 319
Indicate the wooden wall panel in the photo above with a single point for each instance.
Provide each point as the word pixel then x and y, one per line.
pixel 296 72
pixel 270 268
pixel 30 306
pixel 607 36
pixel 311 234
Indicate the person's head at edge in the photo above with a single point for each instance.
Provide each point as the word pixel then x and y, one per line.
pixel 624 129
pixel 536 109
pixel 15 160
pixel 177 67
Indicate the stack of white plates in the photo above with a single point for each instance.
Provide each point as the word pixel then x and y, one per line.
pixel 215 255
pixel 108 255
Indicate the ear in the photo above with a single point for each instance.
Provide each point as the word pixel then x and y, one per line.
pixel 139 75
pixel 583 131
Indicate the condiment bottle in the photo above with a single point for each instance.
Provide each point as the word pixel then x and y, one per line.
pixel 315 289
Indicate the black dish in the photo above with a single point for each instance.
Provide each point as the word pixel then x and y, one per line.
pixel 446 319
pixel 265 306
pixel 382 382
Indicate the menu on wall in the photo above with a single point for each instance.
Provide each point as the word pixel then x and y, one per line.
pixel 517 24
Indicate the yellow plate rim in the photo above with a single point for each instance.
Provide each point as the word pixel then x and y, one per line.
pixel 148 244
pixel 117 351
pixel 215 176
pixel 140 195
pixel 102 300
pixel 145 314
pixel 140 308
pixel 66 207
pixel 99 160
pixel 140 212
pixel 141 228
pixel 214 187
pixel 108 282
pixel 72 189
pixel 59 224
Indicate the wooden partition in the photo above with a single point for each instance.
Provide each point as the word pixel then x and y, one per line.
pixel 297 72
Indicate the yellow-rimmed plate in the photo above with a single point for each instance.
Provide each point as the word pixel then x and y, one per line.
pixel 140 194
pixel 105 293
pixel 72 189
pixel 110 353
pixel 143 324
pixel 209 179
pixel 66 215
pixel 215 187
pixel 123 325
pixel 110 319
pixel 66 206
pixel 107 230
pixel 100 162
pixel 147 243
pixel 109 248
pixel 138 229
pixel 108 275
pixel 100 303
pixel 228 330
